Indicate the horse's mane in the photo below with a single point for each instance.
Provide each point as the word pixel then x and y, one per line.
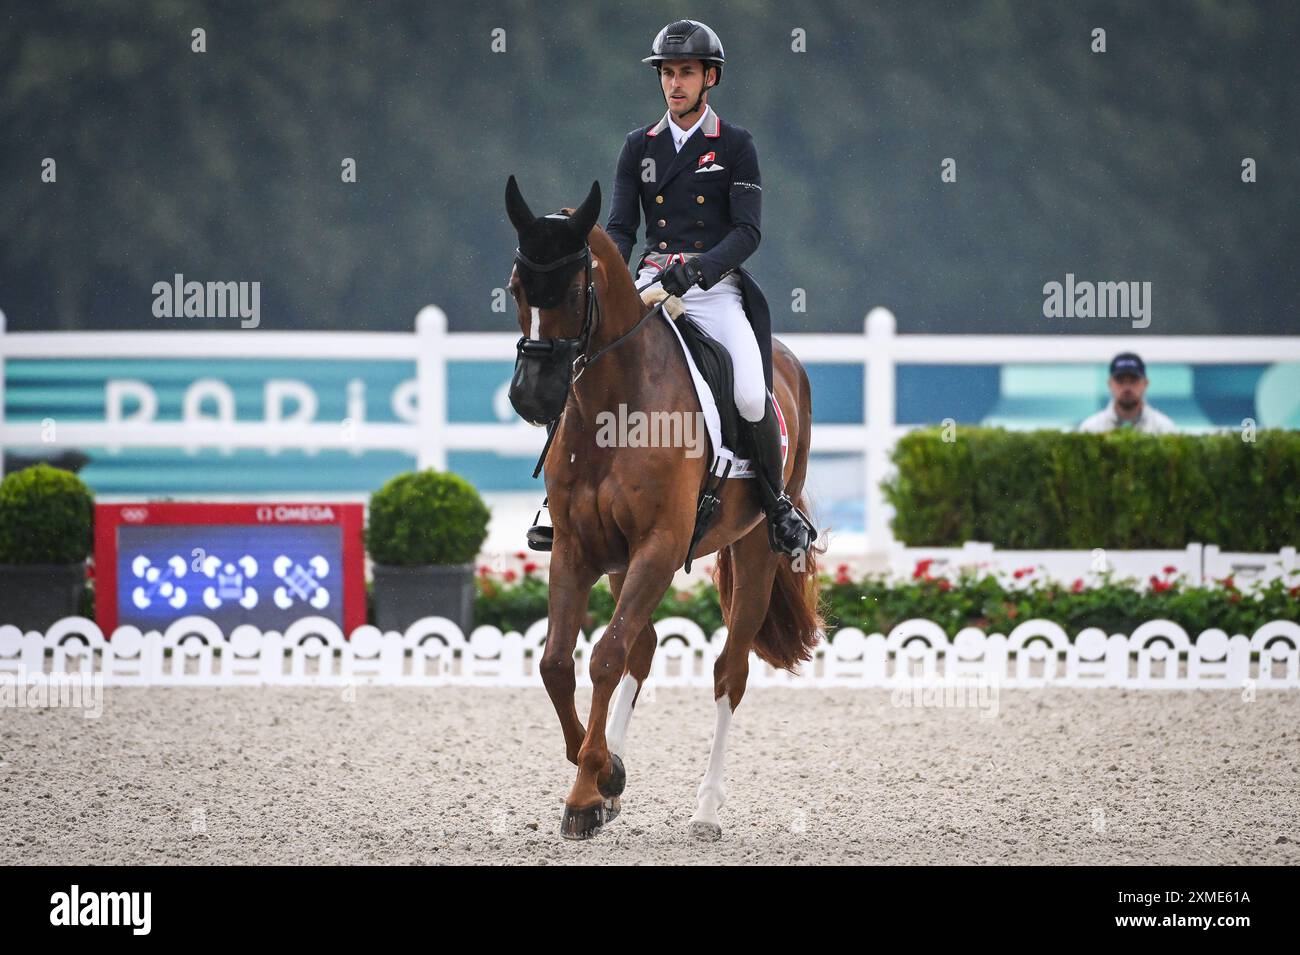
pixel 616 272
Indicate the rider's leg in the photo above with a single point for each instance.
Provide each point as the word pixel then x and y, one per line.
pixel 720 312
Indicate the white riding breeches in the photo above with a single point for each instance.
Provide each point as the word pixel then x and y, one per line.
pixel 721 313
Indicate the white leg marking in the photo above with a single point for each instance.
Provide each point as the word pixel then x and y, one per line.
pixel 536 331
pixel 620 715
pixel 713 791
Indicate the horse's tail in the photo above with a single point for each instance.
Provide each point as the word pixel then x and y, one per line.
pixel 793 623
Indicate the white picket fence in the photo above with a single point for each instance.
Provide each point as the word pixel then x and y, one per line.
pixel 193 651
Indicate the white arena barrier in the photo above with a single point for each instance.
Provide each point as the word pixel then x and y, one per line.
pixel 433 651
pixel 1248 568
pixel 1197 564
pixel 1062 566
pixel 425 431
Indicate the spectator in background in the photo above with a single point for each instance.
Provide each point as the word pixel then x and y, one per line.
pixel 1128 407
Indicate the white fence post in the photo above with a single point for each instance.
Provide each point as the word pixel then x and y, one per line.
pixel 431 386
pixel 881 327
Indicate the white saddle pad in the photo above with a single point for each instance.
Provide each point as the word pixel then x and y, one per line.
pixel 740 467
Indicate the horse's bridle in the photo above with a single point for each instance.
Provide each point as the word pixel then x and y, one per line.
pixel 591 316
pixel 537 391
pixel 592 305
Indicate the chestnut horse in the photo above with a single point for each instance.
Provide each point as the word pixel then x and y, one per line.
pixel 629 512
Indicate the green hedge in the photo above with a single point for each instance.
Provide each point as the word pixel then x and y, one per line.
pixel 517 605
pixel 1048 490
pixel 47 516
pixel 878 604
pixel 992 602
pixel 426 517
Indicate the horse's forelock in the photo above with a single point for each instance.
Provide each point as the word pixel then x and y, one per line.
pixel 547 240
pixel 551 238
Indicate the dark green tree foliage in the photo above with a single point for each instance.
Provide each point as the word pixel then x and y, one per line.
pixel 226 165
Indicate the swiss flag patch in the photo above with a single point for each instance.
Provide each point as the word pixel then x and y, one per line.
pixel 707 158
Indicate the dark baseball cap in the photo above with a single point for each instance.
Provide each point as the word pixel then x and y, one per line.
pixel 1127 363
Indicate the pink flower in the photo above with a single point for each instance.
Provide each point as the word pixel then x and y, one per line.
pixel 530 568
pixel 484 570
pixel 509 575
pixel 1077 587
pixel 521 554
pixel 944 585
pixel 1170 569
pixel 1018 574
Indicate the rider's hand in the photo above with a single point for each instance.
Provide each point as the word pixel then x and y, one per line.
pixel 681 277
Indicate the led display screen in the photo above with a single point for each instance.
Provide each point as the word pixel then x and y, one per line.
pixel 262 564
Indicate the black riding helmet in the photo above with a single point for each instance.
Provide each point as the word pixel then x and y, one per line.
pixel 688 40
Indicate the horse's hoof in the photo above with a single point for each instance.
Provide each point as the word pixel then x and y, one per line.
pixel 706 831
pixel 613 806
pixel 582 823
pixel 617 779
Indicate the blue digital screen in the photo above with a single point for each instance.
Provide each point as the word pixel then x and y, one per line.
pixel 268 576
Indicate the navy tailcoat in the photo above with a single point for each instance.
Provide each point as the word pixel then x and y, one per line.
pixel 705 199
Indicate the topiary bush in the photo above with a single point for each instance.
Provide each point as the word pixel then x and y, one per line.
pixel 426 517
pixel 47 516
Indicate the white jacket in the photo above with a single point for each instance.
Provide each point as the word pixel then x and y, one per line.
pixel 1150 421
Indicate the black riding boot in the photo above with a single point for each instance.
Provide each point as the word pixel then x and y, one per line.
pixel 788 530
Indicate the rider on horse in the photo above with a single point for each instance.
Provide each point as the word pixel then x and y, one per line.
pixel 701 225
